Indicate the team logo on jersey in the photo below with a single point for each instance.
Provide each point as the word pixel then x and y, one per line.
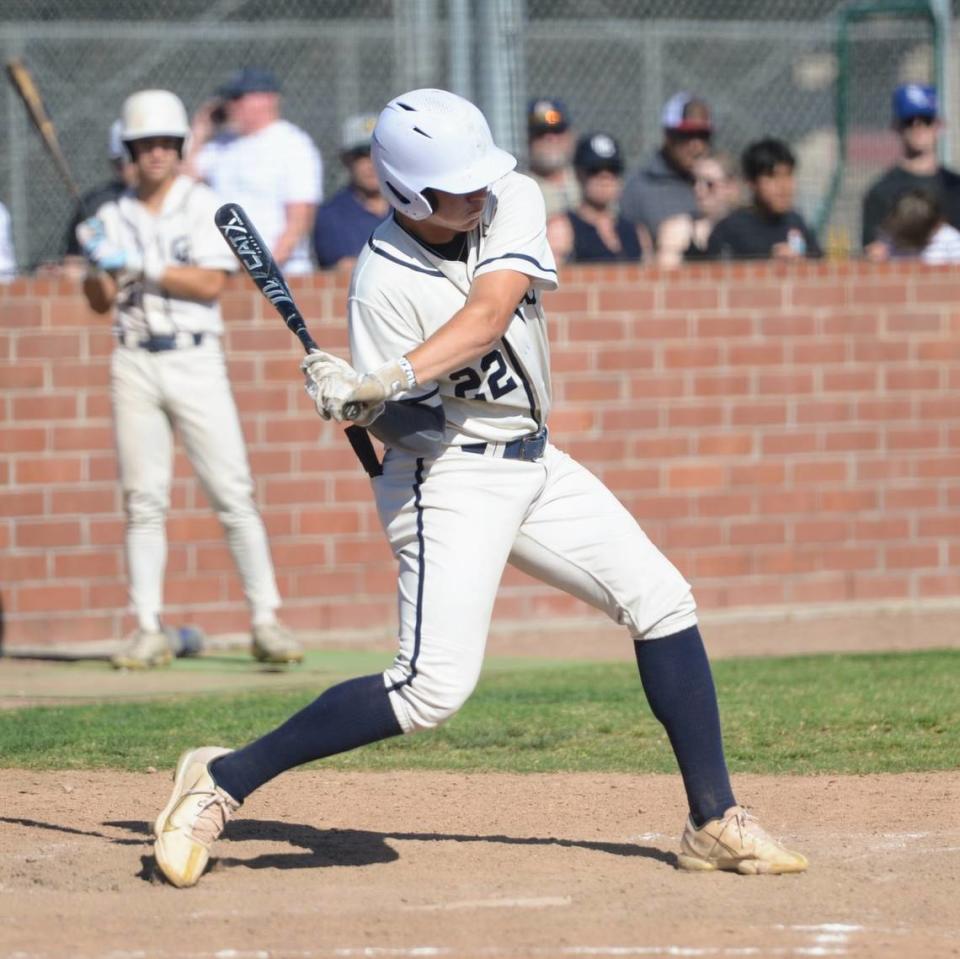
pixel 180 249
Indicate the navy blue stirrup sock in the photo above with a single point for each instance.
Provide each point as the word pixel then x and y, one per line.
pixel 676 677
pixel 343 717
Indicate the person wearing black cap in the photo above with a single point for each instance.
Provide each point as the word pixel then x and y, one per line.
pixel 917 123
pixel 266 164
pixel 549 150
pixel 664 187
pixel 593 232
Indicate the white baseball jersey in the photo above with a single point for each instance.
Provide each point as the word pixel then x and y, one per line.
pixel 8 260
pixel 454 519
pixel 182 234
pixel 402 292
pixel 264 172
pixel 187 389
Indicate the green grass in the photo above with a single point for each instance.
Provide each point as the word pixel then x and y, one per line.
pixel 839 714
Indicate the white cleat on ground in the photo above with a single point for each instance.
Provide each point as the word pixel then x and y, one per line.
pixel 192 820
pixel 274 643
pixel 145 650
pixel 736 843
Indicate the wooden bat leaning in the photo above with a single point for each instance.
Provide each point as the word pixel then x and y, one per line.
pixel 22 81
pixel 248 247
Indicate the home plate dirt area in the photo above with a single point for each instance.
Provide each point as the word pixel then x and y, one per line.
pixel 333 864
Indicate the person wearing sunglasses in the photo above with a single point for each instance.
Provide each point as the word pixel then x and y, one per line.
pixel 916 121
pixel 717 188
pixel 344 223
pixel 664 187
pixel 593 231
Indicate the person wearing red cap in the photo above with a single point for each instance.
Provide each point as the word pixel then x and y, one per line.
pixel 664 187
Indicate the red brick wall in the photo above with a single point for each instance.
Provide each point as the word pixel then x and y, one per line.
pixel 788 435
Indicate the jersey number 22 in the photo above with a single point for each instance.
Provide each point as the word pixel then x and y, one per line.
pixel 494 368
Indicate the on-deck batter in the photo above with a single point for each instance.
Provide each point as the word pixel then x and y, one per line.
pixel 445 310
pixel 159 261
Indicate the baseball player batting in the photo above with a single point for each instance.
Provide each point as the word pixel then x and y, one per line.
pixel 446 318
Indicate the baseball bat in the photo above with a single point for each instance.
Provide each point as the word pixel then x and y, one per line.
pixel 22 80
pixel 248 247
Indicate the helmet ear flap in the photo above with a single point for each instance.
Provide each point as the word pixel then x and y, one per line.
pixel 417 206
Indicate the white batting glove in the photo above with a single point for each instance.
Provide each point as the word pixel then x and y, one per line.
pixel 329 383
pixel 384 383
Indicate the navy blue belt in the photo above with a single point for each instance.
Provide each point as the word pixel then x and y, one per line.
pixel 158 343
pixel 528 448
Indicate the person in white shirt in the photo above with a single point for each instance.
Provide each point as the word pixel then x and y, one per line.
pixel 917 229
pixel 446 311
pixel 8 259
pixel 264 163
pixel 158 261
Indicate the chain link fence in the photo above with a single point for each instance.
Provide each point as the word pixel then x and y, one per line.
pixel 768 67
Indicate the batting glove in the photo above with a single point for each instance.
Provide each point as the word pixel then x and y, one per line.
pixel 384 383
pixel 329 381
pixel 126 265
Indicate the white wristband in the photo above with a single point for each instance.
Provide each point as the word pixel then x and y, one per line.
pixel 407 368
pixel 154 273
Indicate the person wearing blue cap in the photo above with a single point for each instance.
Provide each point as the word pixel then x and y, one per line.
pixel 270 167
pixel 916 121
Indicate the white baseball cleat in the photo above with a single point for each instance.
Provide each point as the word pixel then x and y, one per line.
pixel 192 820
pixel 147 648
pixel 736 843
pixel 275 643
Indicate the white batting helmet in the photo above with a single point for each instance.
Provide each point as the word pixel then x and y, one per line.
pixel 432 139
pixel 154 113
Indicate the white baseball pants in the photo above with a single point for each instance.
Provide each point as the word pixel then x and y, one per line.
pixel 186 389
pixel 456 521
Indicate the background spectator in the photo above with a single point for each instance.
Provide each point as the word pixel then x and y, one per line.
pixel 769 227
pixel 915 227
pixel 664 187
pixel 266 164
pixel 122 175
pixel 717 189
pixel 550 149
pixel 8 259
pixel 346 220
pixel 594 232
pixel 917 124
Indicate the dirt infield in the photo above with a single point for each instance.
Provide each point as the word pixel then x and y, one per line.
pixel 425 864
pixel 326 864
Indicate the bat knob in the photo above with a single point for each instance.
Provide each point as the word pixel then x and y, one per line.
pixel 351 411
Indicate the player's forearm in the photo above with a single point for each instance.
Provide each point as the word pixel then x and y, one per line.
pixel 100 289
pixel 192 282
pixel 474 329
pixel 472 332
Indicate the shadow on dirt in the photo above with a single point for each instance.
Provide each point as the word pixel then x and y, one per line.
pixel 57 827
pixel 331 847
